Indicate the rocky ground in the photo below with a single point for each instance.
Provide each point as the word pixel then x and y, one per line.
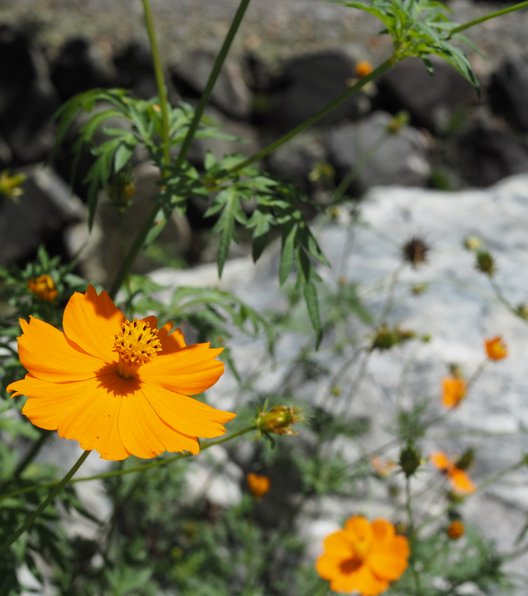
pixel 275 27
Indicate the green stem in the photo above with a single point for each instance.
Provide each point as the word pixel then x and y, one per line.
pixel 53 493
pixel 139 241
pixel 412 536
pixel 265 151
pixel 487 17
pixel 114 473
pixel 31 454
pixel 217 67
pixel 160 82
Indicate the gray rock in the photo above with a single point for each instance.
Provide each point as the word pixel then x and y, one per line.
pixel 431 100
pixel 508 91
pixel 40 216
pixel 381 158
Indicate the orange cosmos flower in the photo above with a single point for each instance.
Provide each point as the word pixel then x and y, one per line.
pixel 453 391
pixel 364 557
pixel 458 478
pixel 496 348
pixel 119 387
pixel 455 529
pixel 43 287
pixel 363 68
pixel 258 484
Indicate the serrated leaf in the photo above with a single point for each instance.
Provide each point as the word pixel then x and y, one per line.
pixel 287 253
pixel 312 304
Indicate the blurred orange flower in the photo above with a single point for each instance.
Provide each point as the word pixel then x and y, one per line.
pixel 258 484
pixel 455 529
pixel 117 386
pixel 453 391
pixel 363 68
pixel 459 479
pixel 364 557
pixel 496 348
pixel 43 287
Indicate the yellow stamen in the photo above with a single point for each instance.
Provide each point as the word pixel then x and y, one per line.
pixel 137 343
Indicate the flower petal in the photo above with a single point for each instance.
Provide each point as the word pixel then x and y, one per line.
pixel 45 353
pixel 391 560
pixel 185 414
pixel 137 438
pixel 441 461
pixel 91 320
pixel 171 342
pixel 358 528
pixel 461 481
pixel 362 580
pixel 189 370
pixel 171 440
pixel 382 529
pixel 328 566
pixel 338 544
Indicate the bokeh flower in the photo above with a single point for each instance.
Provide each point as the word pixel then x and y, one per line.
pixel 117 386
pixel 258 484
pixel 455 530
pixel 363 68
pixel 43 287
pixel 496 348
pixel 459 479
pixel 363 557
pixel 453 391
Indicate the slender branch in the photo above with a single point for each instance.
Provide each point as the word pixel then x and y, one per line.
pixel 412 536
pixel 160 81
pixel 487 17
pixel 53 493
pixel 122 472
pixel 140 239
pixel 265 151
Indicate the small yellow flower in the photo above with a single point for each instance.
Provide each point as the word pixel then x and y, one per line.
pixel 364 557
pixel 455 529
pixel 258 484
pixel 496 348
pixel 453 391
pixel 363 68
pixel 43 287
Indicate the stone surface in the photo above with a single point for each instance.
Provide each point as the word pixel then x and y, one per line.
pixel 486 151
pixel 508 91
pixel 381 158
pixel 41 216
pixel 430 100
pixel 304 86
pixel 27 98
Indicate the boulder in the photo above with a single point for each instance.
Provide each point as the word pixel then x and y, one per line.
pixel 508 91
pixel 487 152
pixel 230 94
pixel 431 100
pixel 27 98
pixel 381 157
pixel 304 86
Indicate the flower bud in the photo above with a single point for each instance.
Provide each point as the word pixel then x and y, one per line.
pixel 279 420
pixel 485 263
pixel 410 460
pixel 455 529
pixel 43 287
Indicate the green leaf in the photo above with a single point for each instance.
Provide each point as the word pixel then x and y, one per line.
pixel 287 253
pixel 312 304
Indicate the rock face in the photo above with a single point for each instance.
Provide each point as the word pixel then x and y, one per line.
pixel 303 87
pixel 458 310
pixel 380 157
pixel 27 98
pixel 431 99
pixel 508 92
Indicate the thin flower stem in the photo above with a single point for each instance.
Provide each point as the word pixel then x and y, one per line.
pixel 412 536
pixel 265 151
pixel 140 239
pixel 160 81
pixel 53 493
pixel 487 17
pixel 122 472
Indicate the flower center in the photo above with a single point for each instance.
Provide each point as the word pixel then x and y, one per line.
pixel 362 548
pixel 137 343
